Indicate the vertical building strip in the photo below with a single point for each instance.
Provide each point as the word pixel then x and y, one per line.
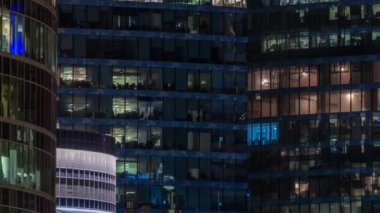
pixel 166 79
pixel 27 105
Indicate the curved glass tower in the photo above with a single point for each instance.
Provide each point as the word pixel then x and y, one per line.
pixel 27 105
pixel 86 172
pixel 314 102
pixel 166 80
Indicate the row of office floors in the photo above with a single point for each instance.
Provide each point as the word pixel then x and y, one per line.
pixel 264 106
pixel 168 86
pixel 27 105
pixel 313 107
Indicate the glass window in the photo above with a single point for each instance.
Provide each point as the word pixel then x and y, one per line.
pixel 105 77
pixel 79 46
pixel 118 107
pixel 4 162
pixel 118 77
pixel 5 31
pixel 66 75
pixel 345 100
pixel 294 77
pixel 262 133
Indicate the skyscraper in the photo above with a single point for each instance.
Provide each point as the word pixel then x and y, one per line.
pixel 27 105
pixel 166 79
pixel 313 106
pixel 85 172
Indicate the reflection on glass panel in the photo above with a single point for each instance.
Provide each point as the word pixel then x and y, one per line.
pixel 131 78
pixel 65 105
pixel 265 82
pixel 345 39
pixel 127 168
pixel 294 104
pixel 156 134
pixel 131 107
pixel 118 134
pixel 304 77
pixel 5 31
pixel 155 81
pixel 118 77
pixel 15 169
pixel 376 10
pixel 313 103
pixel 131 135
pixel 66 75
pixel 345 100
pixel 356 99
pixel 79 76
pixel 333 13
pixel 118 107
pixel 294 76
pixel 304 104
pixel 4 160
pixel 334 101
pixel 205 81
pixel 143 168
pixel 80 105
pixel 333 38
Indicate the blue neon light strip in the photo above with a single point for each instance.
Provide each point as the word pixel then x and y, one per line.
pixel 152 34
pixel 150 93
pixel 151 64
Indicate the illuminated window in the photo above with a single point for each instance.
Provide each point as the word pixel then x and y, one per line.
pixel 66 75
pixel 5 31
pixel 262 133
pixel 17 31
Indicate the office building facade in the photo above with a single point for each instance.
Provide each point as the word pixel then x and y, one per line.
pixel 313 104
pixel 85 173
pixel 27 105
pixel 167 81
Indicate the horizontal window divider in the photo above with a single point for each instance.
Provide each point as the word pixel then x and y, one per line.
pixel 157 123
pixel 319 116
pixel 152 64
pixel 177 153
pixel 314 173
pixel 314 33
pixel 317 201
pixel 317 60
pixel 323 88
pixel 150 93
pixel 277 8
pixel 176 183
pixel 152 34
pixel 321 144
pixel 158 5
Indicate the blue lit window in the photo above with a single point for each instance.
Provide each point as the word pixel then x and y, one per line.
pixel 262 133
pixel 17 31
